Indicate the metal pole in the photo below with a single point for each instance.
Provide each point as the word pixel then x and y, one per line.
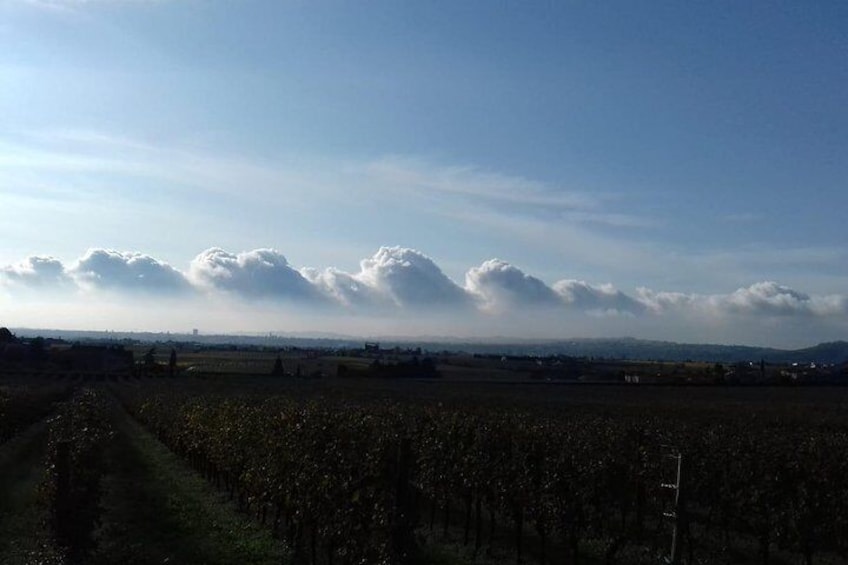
pixel 678 514
pixel 676 544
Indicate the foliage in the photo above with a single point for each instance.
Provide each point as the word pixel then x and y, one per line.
pixel 325 472
pixel 75 466
pixel 21 406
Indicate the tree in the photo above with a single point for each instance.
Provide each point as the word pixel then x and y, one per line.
pixel 6 336
pixel 278 370
pixel 149 361
pixel 39 351
pixel 172 362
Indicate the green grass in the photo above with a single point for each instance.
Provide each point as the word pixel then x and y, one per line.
pixel 24 538
pixel 157 510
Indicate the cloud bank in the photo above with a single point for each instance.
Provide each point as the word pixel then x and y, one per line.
pixel 393 278
pixel 597 299
pixel 36 271
pixel 261 273
pixel 500 285
pixel 404 284
pixel 127 271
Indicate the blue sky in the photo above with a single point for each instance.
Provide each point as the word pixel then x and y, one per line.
pixel 694 150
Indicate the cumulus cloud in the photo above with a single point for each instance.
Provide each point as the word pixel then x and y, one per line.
pixel 261 273
pixel 394 277
pixel 36 271
pixel 765 298
pixel 597 299
pixel 659 302
pixel 345 288
pixel 410 278
pixel 771 298
pixel 407 292
pixel 501 285
pixel 116 270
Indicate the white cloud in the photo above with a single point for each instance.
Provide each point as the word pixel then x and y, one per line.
pixel 393 278
pixel 410 279
pixel 36 271
pixel 261 273
pixel 762 299
pixel 661 302
pixel 771 298
pixel 598 299
pixel 109 269
pixel 346 289
pixel 502 286
pixel 402 290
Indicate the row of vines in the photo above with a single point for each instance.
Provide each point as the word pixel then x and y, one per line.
pixel 75 464
pixel 357 482
pixel 21 406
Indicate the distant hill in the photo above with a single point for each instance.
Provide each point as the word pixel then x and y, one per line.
pixel 607 348
pixel 643 350
pixel 832 352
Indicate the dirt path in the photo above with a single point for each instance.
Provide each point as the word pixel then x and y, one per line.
pixel 157 510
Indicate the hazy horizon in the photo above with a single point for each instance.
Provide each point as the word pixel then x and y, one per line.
pixel 319 336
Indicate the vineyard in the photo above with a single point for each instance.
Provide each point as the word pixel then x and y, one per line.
pixel 374 473
pixel 22 405
pixel 366 481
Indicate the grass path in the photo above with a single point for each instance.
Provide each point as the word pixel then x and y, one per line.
pixel 23 535
pixel 157 510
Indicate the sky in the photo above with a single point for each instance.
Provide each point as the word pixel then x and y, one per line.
pixel 662 170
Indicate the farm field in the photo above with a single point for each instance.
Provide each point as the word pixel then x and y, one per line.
pixel 241 467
